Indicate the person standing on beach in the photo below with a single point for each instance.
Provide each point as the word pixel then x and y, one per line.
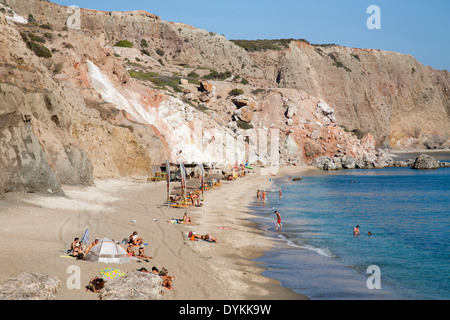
pixel 258 194
pixel 279 192
pixel 264 196
pixel 278 223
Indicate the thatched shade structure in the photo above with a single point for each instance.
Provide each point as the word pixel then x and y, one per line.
pixel 133 286
pixel 30 286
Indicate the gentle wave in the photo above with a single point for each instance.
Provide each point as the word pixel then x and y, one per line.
pixel 322 251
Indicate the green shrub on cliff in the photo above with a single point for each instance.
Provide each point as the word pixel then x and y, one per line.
pixel 124 44
pixel 39 50
pixel 158 80
pixel 338 63
pixel 214 75
pixel 194 75
pixel 31 19
pixel 36 38
pixel 235 92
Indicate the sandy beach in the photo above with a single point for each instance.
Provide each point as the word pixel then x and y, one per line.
pixel 36 230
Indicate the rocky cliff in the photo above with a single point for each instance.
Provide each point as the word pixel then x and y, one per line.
pixel 402 103
pixel 128 90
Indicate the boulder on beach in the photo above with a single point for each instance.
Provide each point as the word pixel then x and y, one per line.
pixel 425 161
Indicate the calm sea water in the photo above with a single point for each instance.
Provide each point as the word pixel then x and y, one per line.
pixel 407 212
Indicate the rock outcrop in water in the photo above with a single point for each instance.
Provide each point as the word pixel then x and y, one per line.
pixel 129 90
pixel 425 161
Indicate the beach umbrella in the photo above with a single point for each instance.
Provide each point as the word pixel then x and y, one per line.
pixel 111 273
pixel 85 239
pixel 168 179
pixel 107 251
pixel 202 180
pixel 183 181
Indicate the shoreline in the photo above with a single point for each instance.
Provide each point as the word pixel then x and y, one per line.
pixel 36 229
pixel 420 151
pixel 304 240
pixel 248 233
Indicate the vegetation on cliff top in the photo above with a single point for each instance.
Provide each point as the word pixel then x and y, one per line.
pixel 274 44
pixel 266 44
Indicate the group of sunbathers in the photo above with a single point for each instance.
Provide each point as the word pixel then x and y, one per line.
pixel 77 250
pixel 135 241
pixel 193 196
pixel 192 235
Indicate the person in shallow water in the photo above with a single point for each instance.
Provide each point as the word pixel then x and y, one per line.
pixel 356 231
pixel 278 224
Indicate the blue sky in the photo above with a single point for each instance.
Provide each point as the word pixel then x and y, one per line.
pixel 419 28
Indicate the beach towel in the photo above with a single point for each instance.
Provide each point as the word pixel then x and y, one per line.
pixel 111 273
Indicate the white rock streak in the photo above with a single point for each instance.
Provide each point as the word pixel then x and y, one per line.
pixel 181 126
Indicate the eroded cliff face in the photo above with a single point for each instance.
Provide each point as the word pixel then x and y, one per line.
pixel 52 130
pixel 390 95
pixel 402 103
pixel 91 109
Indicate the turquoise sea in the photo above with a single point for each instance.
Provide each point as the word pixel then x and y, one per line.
pixel 407 211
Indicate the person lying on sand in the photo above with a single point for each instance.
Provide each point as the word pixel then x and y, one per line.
pixel 155 271
pixel 135 239
pixel 175 220
pixel 193 236
pixel 209 238
pixel 184 220
pixel 96 284
pixel 175 198
pixel 167 281
pixel 141 253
